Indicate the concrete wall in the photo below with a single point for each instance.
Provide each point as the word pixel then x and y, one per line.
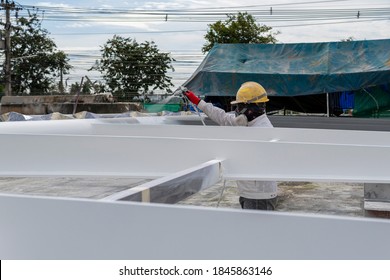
pixel 47 104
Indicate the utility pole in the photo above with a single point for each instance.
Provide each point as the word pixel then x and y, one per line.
pixel 8 6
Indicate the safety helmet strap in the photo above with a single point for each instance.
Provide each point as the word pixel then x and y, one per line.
pixel 256 98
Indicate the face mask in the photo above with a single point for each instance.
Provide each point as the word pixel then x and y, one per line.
pixel 251 111
pixel 240 109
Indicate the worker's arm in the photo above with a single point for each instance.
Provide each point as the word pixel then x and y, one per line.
pixel 216 114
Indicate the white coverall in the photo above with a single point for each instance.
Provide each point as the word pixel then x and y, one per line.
pixel 247 189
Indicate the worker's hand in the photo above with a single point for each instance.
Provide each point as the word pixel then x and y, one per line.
pixel 192 97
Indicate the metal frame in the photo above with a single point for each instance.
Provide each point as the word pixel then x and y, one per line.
pixel 58 228
pixel 64 228
pixel 145 151
pixel 174 187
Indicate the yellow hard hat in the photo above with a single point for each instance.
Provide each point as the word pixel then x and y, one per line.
pixel 251 92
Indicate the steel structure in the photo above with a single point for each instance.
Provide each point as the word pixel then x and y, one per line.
pixel 180 160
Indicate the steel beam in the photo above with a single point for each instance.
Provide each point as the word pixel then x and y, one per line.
pixel 174 187
pixel 59 228
pixel 247 153
pixel 169 127
pixel 54 228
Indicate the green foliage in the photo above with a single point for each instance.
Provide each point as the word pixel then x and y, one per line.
pixel 88 87
pixel 130 68
pixel 35 60
pixel 241 28
pixel 76 88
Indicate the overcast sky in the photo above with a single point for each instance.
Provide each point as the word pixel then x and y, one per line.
pixel 80 28
pixel 188 33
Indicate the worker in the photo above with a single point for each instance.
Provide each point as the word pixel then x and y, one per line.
pixel 250 111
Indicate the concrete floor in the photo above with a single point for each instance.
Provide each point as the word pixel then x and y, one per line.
pixel 72 187
pixel 303 197
pixel 329 198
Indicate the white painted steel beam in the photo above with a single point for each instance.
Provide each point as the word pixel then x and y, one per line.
pixel 248 153
pixel 174 187
pixel 53 228
pixel 296 135
pixel 167 127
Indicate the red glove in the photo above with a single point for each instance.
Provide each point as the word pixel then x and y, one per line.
pixel 192 97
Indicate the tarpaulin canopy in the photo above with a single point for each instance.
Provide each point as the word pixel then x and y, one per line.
pixel 288 70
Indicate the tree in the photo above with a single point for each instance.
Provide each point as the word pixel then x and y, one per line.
pixel 35 63
pixel 241 28
pixel 130 68
pixel 86 86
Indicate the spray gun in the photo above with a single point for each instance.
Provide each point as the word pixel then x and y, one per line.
pixel 180 91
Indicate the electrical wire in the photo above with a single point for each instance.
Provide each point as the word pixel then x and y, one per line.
pixel 293 14
pixel 211 14
pixel 283 15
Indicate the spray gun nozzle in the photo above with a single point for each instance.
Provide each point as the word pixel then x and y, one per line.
pixel 180 91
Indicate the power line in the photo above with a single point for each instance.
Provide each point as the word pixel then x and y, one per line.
pixel 130 32
pixel 210 14
pixel 296 16
pixel 326 23
pixel 288 15
pixel 102 10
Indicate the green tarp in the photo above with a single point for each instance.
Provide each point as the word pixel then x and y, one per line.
pixel 287 70
pixel 372 102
